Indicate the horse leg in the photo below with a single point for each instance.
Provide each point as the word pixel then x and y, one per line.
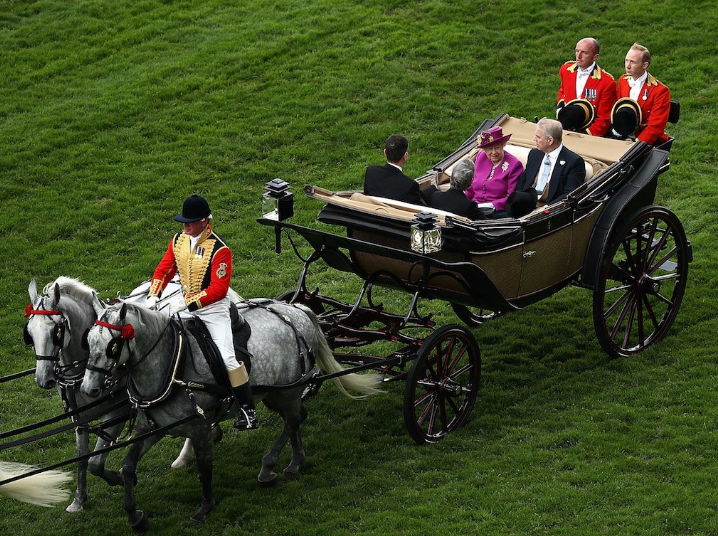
pixel 185 455
pixel 298 454
pixel 187 452
pixel 97 463
pixel 137 518
pixel 81 447
pixel 203 450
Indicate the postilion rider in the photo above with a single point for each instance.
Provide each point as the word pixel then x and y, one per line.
pixel 204 263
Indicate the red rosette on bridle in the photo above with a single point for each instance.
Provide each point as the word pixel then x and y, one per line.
pixel 128 332
pixel 28 310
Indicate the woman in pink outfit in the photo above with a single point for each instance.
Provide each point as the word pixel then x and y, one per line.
pixel 496 172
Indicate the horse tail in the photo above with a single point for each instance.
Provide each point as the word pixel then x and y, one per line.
pixel 366 384
pixel 42 489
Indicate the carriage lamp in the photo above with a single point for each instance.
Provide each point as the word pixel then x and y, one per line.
pixel 425 233
pixel 277 201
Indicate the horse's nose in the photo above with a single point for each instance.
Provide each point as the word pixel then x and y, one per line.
pixel 46 384
pixel 94 392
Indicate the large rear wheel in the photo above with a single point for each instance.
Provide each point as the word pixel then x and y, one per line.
pixel 442 385
pixel 641 283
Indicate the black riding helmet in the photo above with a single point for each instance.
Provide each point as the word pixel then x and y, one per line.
pixel 194 208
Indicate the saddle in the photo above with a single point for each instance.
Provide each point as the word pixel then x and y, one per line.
pixel 241 331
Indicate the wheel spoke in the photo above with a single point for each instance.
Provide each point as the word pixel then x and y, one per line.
pixel 649 310
pixel 612 309
pixel 629 323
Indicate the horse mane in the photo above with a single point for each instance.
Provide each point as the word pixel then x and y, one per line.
pixel 72 287
pixel 151 319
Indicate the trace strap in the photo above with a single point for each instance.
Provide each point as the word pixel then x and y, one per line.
pixel 54 431
pixel 119 445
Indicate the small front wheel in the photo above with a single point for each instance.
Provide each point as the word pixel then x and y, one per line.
pixel 641 283
pixel 442 385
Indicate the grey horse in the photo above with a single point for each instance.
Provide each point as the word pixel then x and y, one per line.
pixel 57 320
pixel 283 340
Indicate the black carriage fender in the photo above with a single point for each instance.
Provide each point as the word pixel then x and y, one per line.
pixel 638 192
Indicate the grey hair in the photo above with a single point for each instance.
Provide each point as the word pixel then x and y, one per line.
pixel 552 128
pixel 462 175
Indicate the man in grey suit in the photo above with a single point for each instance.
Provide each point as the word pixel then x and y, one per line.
pixel 389 180
pixel 552 171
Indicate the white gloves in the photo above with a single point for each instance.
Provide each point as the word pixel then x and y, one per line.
pixel 151 302
pixel 177 306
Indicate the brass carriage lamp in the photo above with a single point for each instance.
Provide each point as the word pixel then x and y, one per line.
pixel 425 233
pixel 277 201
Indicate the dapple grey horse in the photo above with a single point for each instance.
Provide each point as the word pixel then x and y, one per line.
pixel 57 320
pixel 283 339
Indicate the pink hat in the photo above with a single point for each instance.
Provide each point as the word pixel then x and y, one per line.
pixel 492 136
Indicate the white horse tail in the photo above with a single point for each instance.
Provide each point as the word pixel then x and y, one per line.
pixel 42 489
pixel 366 384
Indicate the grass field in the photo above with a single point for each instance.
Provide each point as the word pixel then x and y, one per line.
pixel 111 113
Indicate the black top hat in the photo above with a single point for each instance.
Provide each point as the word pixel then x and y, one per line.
pixel 521 203
pixel 626 116
pixel 194 208
pixel 577 115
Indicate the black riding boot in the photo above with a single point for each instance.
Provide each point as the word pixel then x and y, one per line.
pixel 246 414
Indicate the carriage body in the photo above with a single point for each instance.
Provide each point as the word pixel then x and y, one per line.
pixel 605 236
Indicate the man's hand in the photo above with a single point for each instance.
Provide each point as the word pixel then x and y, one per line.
pixel 151 302
pixel 177 306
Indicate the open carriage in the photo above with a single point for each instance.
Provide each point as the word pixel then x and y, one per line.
pixel 606 236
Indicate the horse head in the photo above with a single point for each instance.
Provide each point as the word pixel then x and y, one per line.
pixel 109 343
pixel 47 331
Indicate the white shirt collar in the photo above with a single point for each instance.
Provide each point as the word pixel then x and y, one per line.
pixel 587 70
pixel 397 167
pixel 554 154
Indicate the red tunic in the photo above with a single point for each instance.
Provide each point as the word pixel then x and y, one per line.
pixel 205 271
pixel 655 102
pixel 600 90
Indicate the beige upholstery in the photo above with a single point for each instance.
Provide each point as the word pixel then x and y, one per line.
pixel 522 153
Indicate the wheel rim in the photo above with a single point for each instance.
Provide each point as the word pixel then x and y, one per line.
pixel 442 384
pixel 642 287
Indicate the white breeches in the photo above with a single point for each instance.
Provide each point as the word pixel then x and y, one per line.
pixel 219 324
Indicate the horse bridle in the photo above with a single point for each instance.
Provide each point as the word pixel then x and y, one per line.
pixel 114 347
pixel 58 331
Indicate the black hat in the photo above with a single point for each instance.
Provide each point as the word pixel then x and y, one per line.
pixel 626 116
pixel 577 115
pixel 521 203
pixel 194 209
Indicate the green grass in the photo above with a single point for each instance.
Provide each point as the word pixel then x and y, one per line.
pixel 111 113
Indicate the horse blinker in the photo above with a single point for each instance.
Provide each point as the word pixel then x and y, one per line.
pixel 27 337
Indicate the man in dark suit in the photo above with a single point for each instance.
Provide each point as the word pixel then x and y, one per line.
pixel 552 171
pixel 454 200
pixel 388 180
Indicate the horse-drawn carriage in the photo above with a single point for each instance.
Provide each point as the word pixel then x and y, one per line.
pixel 606 236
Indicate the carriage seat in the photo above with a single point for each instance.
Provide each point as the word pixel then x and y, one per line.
pixel 522 153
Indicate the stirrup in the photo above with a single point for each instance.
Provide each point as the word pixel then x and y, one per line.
pixel 246 419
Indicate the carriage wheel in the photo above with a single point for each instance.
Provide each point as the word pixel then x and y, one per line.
pixel 641 283
pixel 442 385
pixel 476 316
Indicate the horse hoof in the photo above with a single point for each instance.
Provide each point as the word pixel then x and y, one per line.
pixel 179 464
pixel 74 508
pixel 141 523
pixel 271 483
pixel 202 514
pixel 292 474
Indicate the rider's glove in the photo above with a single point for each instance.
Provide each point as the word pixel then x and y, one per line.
pixel 151 302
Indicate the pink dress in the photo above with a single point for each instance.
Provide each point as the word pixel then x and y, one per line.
pixel 494 184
